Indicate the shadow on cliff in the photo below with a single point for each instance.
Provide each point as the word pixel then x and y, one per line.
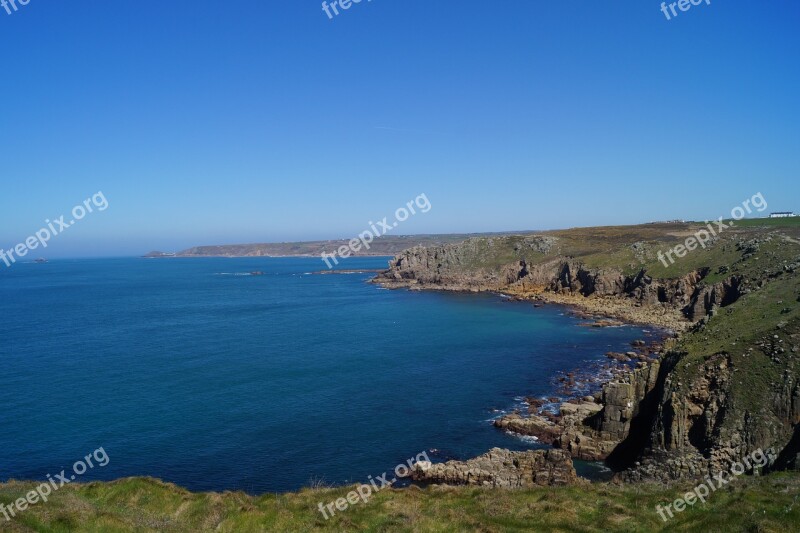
pixel 639 438
pixel 789 458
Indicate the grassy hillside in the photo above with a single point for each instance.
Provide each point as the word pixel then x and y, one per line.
pixel 770 315
pixel 767 504
pixel 630 248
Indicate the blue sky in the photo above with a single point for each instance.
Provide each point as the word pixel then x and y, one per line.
pixel 251 121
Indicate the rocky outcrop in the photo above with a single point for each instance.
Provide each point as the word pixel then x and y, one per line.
pixel 463 267
pixel 705 300
pixel 543 428
pixel 502 468
pixel 586 429
pixel 449 267
pixel 701 422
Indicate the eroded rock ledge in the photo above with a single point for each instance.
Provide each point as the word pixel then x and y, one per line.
pixel 504 469
pixel 586 429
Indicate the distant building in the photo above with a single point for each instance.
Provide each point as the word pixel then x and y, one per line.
pixel 782 214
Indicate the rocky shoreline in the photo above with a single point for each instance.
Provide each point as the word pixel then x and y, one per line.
pixel 725 383
pixel 590 428
pixel 604 310
pixel 502 469
pixel 586 427
pixel 612 309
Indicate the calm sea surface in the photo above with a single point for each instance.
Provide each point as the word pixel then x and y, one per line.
pixel 191 371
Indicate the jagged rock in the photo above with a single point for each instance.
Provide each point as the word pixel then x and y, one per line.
pixel 535 426
pixel 587 429
pixel 502 468
pixel 701 428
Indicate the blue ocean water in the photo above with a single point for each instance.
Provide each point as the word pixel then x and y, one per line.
pixel 194 372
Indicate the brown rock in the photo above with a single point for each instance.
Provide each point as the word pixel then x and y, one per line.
pixel 502 468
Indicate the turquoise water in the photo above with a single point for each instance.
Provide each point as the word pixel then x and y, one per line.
pixel 183 370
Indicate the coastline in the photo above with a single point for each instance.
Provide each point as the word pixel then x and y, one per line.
pixel 619 384
pixel 610 307
pixel 596 311
pixel 251 256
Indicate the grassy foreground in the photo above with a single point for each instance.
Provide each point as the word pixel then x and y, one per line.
pixel 766 504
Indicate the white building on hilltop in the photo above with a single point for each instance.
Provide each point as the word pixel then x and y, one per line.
pixel 782 214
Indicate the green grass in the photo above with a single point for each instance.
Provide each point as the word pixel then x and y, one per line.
pixel 632 248
pixel 763 504
pixel 736 329
pixel 789 222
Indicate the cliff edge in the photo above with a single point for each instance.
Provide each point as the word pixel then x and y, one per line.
pixel 727 386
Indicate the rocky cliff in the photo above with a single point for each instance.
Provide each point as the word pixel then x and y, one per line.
pixel 592 430
pixel 710 414
pixel 443 268
pixel 729 386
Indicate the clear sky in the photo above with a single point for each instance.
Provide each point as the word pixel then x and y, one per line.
pixel 264 120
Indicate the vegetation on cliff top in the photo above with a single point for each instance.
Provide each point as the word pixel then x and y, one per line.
pixel 767 504
pixel 629 248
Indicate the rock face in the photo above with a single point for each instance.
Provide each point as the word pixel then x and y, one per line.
pixel 623 400
pixel 458 267
pixel 701 426
pixel 446 267
pixel 502 468
pixel 588 430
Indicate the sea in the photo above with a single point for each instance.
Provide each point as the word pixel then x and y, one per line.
pixel 264 375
